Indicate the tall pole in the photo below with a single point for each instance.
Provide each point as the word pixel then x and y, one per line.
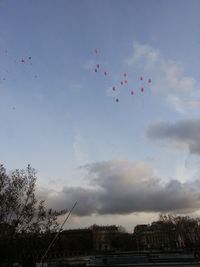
pixel 56 236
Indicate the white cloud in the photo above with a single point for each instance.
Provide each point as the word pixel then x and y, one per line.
pixel 181 104
pixel 175 78
pixel 176 103
pixel 143 52
pixel 169 77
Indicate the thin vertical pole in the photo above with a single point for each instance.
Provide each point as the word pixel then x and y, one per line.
pixel 56 236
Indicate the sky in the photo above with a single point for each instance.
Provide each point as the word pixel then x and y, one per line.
pixel 124 157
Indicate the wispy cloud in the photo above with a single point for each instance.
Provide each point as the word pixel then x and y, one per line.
pixel 183 104
pixel 143 52
pixel 79 148
pixel 169 77
pixel 183 172
pixel 89 65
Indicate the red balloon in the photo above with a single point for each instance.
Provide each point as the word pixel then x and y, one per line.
pixel 113 88
pixel 142 89
pixel 105 73
pixel 149 80
pixel 132 92
pixel 98 66
pixel 125 81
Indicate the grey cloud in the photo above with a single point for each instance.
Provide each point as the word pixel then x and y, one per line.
pixel 186 132
pixel 121 187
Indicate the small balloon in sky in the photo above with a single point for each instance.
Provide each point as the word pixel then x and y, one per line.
pixel 23 61
pixel 29 58
pixel 123 80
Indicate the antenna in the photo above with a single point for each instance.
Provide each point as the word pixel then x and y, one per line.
pixel 56 236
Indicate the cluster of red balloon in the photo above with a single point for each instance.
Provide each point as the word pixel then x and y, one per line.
pixel 23 60
pixel 123 81
pixel 7 59
pixel 97 68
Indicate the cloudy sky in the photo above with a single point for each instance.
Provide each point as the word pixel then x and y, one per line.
pixel 125 157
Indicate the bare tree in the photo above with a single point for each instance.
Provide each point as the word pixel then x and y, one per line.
pixel 20 211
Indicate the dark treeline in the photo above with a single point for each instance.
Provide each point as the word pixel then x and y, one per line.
pixel 27 228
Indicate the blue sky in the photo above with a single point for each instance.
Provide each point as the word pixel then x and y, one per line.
pixel 61 117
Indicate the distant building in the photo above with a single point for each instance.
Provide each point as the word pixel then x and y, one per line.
pixel 103 236
pixel 160 236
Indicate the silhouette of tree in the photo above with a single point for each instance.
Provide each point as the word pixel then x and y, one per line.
pixel 20 211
